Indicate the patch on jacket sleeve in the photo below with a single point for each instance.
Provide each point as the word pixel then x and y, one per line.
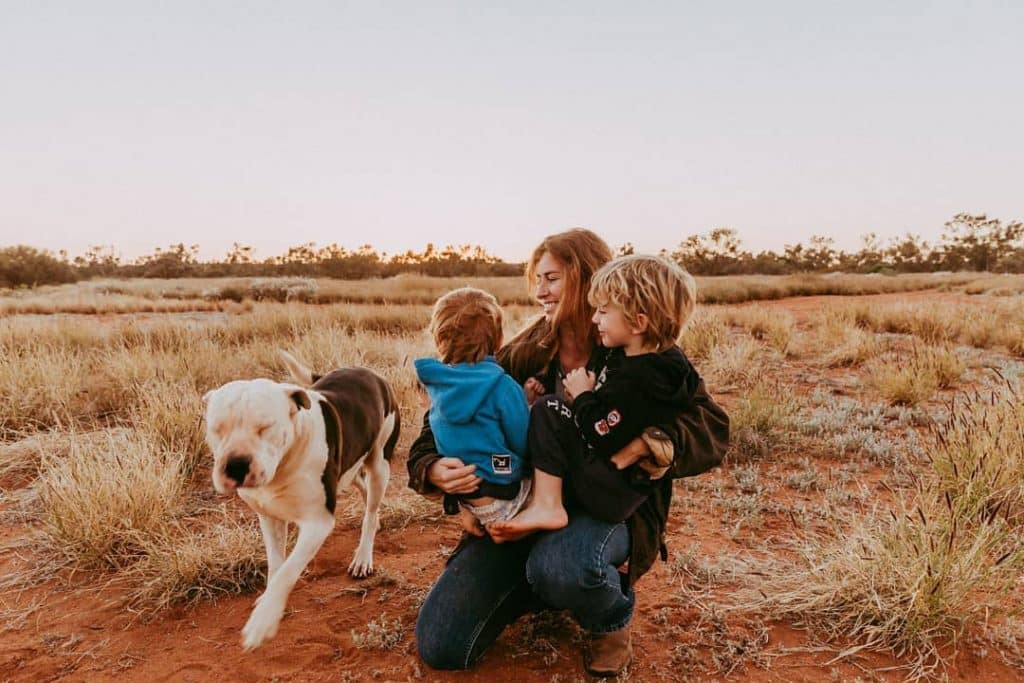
pixel 501 464
pixel 601 427
pixel 614 418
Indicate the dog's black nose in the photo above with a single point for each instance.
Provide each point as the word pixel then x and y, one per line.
pixel 237 469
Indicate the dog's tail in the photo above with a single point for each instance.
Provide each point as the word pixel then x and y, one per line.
pixel 300 374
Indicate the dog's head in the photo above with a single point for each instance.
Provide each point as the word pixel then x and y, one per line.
pixel 250 425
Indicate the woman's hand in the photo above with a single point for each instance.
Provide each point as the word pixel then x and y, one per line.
pixel 579 381
pixel 452 476
pixel 630 453
pixel 534 389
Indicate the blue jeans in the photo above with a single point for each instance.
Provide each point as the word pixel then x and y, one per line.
pixel 486 586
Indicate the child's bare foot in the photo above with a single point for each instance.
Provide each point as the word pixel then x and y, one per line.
pixel 532 518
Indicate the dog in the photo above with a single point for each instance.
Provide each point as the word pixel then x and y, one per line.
pixel 287 449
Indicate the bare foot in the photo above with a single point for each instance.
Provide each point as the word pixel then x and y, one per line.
pixel 530 519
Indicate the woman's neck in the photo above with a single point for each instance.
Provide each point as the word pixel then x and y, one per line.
pixel 573 349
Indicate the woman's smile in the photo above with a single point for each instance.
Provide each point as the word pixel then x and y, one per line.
pixel 548 284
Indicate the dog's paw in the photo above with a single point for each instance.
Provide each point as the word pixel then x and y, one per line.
pixel 262 624
pixel 361 566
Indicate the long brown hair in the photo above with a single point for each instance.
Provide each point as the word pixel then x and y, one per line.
pixel 581 253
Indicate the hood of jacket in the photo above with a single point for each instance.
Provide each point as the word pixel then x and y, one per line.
pixel 668 376
pixel 457 391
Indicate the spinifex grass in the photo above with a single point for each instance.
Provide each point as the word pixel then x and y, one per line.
pixel 910 582
pixel 841 342
pixel 737 362
pixel 182 565
pixel 978 453
pixel 760 420
pixel 704 331
pixel 98 500
pixel 774 326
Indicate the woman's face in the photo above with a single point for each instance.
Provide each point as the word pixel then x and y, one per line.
pixel 548 283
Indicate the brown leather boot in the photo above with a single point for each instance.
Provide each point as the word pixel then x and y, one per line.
pixel 609 653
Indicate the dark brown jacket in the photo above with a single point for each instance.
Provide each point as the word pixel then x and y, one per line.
pixel 700 437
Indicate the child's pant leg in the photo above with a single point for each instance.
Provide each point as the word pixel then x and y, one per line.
pixel 553 437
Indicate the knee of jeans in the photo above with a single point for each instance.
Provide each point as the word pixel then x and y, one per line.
pixel 436 648
pixel 560 576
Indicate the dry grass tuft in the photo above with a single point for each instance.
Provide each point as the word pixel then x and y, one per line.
pixel 913 378
pixel 978 454
pixel 903 381
pixel 841 342
pixel 180 565
pixel 170 414
pixel 773 326
pixel 102 497
pixel 736 363
pixel 703 333
pixel 760 421
pixel 908 582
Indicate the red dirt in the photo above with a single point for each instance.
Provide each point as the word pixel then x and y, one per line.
pixel 82 633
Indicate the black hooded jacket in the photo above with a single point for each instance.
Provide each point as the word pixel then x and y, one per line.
pixel 634 392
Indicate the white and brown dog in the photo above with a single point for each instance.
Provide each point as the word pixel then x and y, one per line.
pixel 287 449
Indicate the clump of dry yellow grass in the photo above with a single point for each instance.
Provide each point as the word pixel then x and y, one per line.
pixel 739 362
pixel 760 420
pixel 99 499
pixel 913 580
pixel 24 457
pixel 839 341
pixel 182 565
pixel 979 453
pixel 774 326
pixel 909 379
pixel 909 582
pixel 703 332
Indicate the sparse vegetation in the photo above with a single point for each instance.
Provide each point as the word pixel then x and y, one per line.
pixel 382 634
pixel 880 519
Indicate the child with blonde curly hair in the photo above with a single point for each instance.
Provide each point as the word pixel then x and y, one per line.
pixel 642 304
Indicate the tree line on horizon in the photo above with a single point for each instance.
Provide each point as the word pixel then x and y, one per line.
pixel 969 242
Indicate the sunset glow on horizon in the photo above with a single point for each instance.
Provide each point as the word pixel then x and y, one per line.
pixel 399 125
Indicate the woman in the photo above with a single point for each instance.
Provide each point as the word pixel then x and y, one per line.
pixel 487 585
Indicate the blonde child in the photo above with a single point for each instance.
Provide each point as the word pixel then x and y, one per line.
pixel 642 303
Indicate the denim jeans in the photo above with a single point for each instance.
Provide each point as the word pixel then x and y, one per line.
pixel 486 586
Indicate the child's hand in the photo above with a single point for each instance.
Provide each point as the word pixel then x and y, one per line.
pixel 534 389
pixel 579 381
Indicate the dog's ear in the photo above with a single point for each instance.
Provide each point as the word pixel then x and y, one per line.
pixel 300 397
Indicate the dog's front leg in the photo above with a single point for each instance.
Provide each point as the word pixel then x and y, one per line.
pixel 263 622
pixel 275 536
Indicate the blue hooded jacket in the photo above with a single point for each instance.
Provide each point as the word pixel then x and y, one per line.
pixel 479 415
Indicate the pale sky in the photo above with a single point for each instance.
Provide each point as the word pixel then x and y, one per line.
pixel 142 124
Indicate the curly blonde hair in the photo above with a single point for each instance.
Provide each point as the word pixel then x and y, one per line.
pixel 651 286
pixel 466 325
